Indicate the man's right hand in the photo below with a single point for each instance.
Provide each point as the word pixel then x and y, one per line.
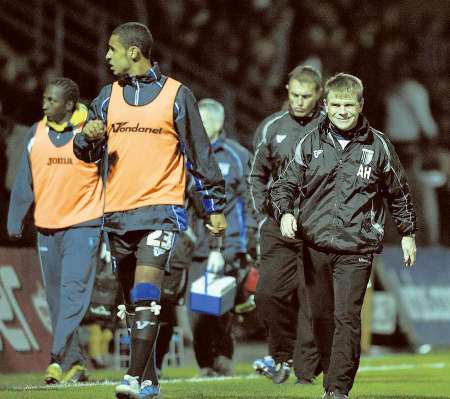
pixel 288 225
pixel 105 254
pixel 215 263
pixel 94 130
pixel 217 223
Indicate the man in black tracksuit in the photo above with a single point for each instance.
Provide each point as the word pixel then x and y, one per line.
pixel 342 170
pixel 280 295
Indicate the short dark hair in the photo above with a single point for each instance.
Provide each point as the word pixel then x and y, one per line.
pixel 306 73
pixel 71 92
pixel 135 34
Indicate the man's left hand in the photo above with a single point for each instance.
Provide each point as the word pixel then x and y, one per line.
pixel 409 250
pixel 288 225
pixel 217 223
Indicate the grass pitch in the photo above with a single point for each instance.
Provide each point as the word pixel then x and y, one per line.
pixel 387 377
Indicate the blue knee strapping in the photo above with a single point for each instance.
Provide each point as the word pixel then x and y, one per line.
pixel 145 292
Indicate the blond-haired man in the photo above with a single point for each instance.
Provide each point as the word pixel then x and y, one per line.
pixel 281 296
pixel 344 169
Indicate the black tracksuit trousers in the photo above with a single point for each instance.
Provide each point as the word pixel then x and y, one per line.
pixel 173 292
pixel 212 334
pixel 336 285
pixel 281 301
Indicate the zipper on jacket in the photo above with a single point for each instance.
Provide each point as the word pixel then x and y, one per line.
pixel 136 93
pixel 340 164
pixel 334 220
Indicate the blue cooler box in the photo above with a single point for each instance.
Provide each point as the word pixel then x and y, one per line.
pixel 212 294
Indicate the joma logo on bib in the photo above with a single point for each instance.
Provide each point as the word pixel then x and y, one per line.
pixel 59 161
pixel 121 127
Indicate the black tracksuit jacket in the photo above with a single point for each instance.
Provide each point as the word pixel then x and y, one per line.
pixel 273 142
pixel 342 191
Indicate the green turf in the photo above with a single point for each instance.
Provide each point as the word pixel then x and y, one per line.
pixel 399 376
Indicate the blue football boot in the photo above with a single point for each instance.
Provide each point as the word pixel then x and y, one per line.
pixel 149 391
pixel 265 366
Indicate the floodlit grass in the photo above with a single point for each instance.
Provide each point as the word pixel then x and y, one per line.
pixel 387 377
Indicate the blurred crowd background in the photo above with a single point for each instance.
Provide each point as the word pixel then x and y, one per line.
pixel 240 53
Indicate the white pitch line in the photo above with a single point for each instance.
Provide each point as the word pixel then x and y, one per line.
pixel 401 367
pixel 107 383
pixel 210 379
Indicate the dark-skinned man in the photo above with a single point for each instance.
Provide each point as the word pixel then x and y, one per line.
pixel 149 126
pixel 68 198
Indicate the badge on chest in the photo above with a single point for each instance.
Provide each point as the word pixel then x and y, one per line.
pixel 364 170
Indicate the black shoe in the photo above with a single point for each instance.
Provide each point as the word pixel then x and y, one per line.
pixel 206 372
pixel 223 366
pixel 335 395
pixel 282 372
pixel 339 395
pixel 304 381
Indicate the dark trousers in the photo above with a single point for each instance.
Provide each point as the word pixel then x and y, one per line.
pixel 212 334
pixel 336 285
pixel 168 321
pixel 173 291
pixel 281 301
pixel 68 261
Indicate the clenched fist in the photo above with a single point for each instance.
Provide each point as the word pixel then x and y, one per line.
pixel 217 223
pixel 94 130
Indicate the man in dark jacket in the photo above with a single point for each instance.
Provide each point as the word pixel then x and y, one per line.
pixel 281 296
pixel 342 170
pixel 149 129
